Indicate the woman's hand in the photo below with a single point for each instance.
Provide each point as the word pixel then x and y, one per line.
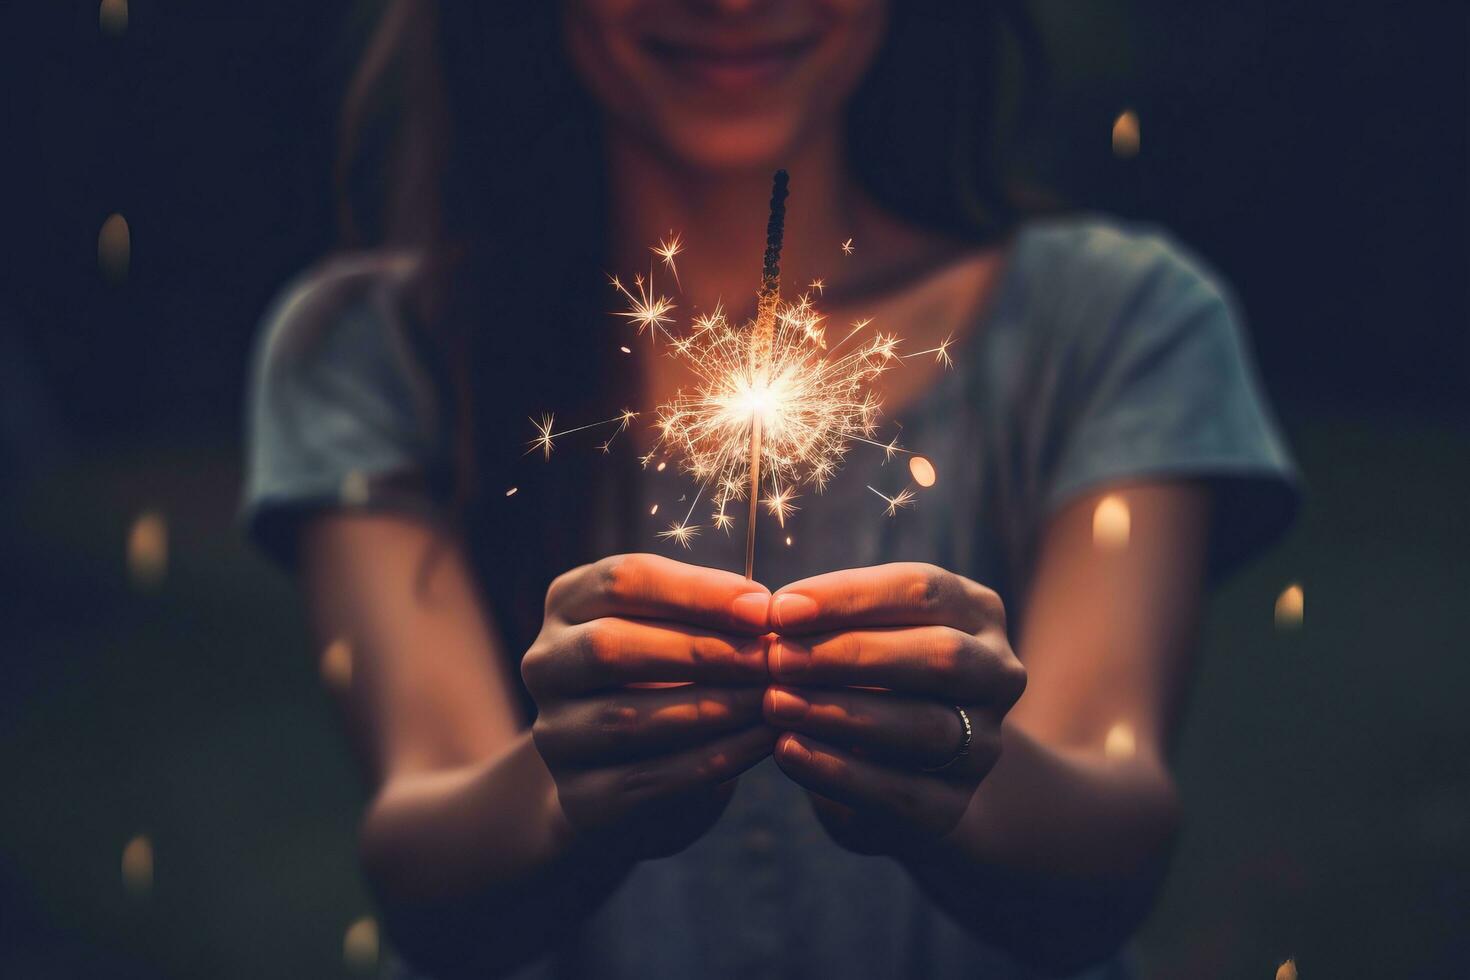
pixel 869 669
pixel 648 677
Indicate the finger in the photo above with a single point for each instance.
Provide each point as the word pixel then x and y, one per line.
pixel 620 789
pixel 899 594
pixel 636 724
pixel 914 733
pixel 933 661
pixel 610 652
pixel 919 801
pixel 654 587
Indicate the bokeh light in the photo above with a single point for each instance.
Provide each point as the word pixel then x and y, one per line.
pixel 922 471
pixel 112 17
pixel 137 866
pixel 115 249
pixel 360 945
pixel 336 665
pixel 1126 134
pixel 1290 606
pixel 148 550
pixel 1121 742
pixel 1111 524
pixel 354 490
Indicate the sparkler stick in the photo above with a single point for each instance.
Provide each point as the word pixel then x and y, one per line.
pixel 760 348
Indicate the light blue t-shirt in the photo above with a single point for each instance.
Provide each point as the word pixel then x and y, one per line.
pixel 1104 355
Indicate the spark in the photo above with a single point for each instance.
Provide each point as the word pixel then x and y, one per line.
pixel 653 510
pixel 681 532
pixel 885 346
pixel 709 321
pixel 661 465
pixel 646 309
pixel 666 250
pixel 818 285
pixel 722 521
pixel 545 437
pixel 847 247
pixel 778 504
pixel 512 491
pixel 941 353
pixel 905 498
pixel 858 326
pixel 625 349
pixel 890 448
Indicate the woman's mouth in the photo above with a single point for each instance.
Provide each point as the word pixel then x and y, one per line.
pixel 729 67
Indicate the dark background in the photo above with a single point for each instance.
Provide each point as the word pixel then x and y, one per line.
pixel 1315 153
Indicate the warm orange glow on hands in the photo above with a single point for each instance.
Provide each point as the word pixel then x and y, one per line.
pixel 891 683
pixel 648 677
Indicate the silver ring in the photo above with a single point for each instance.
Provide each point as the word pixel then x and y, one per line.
pixel 966 737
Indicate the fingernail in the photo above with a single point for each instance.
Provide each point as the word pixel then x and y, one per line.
pixel 750 609
pixel 792 610
pixel 788 657
pixel 793 749
pixel 786 704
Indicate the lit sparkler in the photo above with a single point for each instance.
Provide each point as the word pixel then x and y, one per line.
pixel 771 409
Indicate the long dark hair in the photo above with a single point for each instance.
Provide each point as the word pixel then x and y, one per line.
pixel 466 137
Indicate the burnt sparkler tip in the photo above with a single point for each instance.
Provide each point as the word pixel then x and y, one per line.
pixel 775 230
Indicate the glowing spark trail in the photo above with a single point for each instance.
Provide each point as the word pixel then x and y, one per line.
pixel 941 353
pixel 545 437
pixel 905 498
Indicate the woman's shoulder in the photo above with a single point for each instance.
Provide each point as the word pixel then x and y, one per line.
pixel 361 293
pixel 337 400
pixel 335 347
pixel 1104 258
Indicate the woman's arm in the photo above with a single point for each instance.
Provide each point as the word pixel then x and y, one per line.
pixel 467 841
pixel 1057 854
pixel 1074 826
pixel 463 801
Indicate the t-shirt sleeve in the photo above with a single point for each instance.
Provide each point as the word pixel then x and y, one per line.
pixel 340 412
pixel 1163 386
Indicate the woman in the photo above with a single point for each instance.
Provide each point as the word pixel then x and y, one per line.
pixel 877 829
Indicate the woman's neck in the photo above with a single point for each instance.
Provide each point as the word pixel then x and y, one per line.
pixel 721 221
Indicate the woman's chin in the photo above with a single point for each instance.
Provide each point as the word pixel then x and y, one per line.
pixel 726 145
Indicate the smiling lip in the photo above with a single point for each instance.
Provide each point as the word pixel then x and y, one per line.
pixel 730 67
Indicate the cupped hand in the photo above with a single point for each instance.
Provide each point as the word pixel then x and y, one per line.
pixel 648 677
pixel 870 670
